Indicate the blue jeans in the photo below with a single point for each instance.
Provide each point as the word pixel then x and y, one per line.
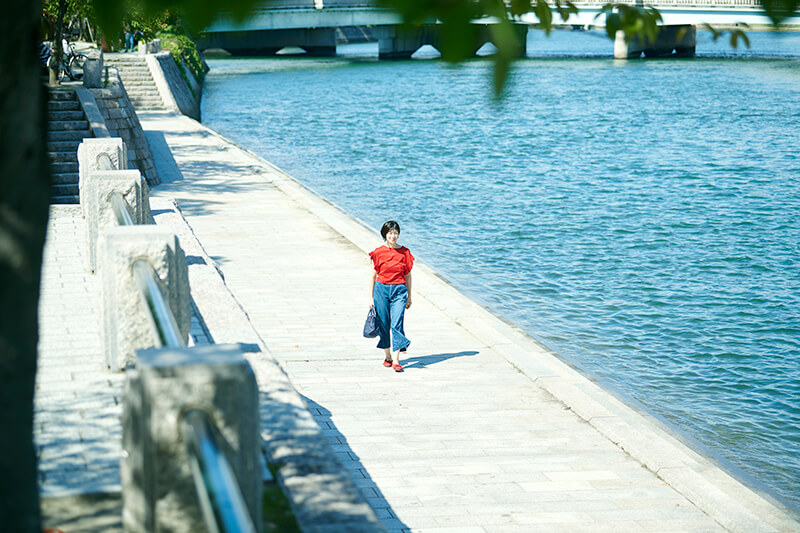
pixel 390 306
pixel 129 41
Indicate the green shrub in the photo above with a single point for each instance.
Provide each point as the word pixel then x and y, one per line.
pixel 183 51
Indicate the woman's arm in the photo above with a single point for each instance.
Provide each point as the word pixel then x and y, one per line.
pixel 408 286
pixel 372 286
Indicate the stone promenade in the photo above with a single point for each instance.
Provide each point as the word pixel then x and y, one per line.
pixel 463 440
pixel 485 431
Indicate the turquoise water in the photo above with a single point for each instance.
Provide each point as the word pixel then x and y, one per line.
pixel 639 218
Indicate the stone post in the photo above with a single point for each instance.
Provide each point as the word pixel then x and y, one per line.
pixel 158 490
pixel 93 69
pixel 125 315
pixel 89 160
pixel 100 185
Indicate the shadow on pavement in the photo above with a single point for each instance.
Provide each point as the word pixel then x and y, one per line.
pixel 357 471
pixel 87 512
pixel 423 361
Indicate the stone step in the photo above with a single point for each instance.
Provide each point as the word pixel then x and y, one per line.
pixel 148 105
pixel 60 116
pixel 63 167
pixel 70 135
pixel 61 94
pixel 63 105
pixel 65 178
pixel 65 200
pixel 63 157
pixel 132 68
pixel 68 189
pixel 145 96
pixel 61 125
pixel 63 146
pixel 125 58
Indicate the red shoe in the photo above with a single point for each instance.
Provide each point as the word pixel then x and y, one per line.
pixel 397 367
pixel 387 363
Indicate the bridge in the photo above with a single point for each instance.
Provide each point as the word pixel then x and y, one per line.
pixel 318 25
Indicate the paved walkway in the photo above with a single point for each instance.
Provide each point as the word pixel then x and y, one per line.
pixel 462 440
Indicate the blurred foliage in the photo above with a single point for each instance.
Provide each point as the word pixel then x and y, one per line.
pixel 144 21
pixel 736 35
pixel 184 51
pixel 455 17
pixel 633 21
pixel 779 10
pixel 74 12
pixel 82 8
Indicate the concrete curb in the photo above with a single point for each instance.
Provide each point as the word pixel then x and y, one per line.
pixel 728 501
pixel 96 121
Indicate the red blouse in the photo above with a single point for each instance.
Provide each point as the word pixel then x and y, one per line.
pixel 392 264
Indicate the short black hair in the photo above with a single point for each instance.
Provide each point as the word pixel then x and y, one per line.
pixel 388 226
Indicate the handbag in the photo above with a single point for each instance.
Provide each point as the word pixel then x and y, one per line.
pixel 371 324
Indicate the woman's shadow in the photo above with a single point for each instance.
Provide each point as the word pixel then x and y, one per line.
pixel 424 361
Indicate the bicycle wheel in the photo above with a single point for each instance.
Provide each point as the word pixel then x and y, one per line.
pixel 75 67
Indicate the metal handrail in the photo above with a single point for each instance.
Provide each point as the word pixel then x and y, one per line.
pixel 220 497
pixel 121 211
pixel 104 162
pixel 163 322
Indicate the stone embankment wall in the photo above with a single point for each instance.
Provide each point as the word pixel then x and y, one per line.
pixel 121 121
pixel 180 92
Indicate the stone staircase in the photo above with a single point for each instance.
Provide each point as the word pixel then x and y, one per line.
pixel 66 128
pixel 138 81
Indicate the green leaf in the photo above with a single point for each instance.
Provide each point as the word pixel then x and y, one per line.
pixel 739 34
pixel 565 9
pixel 520 7
pixel 508 48
pixel 545 16
pixel 715 33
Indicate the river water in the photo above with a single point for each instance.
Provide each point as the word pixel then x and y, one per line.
pixel 640 218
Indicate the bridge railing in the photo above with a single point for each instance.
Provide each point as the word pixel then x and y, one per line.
pixel 371 4
pixel 701 4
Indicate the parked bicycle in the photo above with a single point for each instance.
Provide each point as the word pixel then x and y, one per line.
pixel 72 61
pixel 73 64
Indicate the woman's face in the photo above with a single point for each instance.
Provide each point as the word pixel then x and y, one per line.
pixel 391 237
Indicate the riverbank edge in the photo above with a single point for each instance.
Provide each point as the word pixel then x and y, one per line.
pixel 730 502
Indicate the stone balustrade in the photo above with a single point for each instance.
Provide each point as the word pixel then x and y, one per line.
pixel 159 489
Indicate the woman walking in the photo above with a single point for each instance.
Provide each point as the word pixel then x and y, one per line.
pixel 391 293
